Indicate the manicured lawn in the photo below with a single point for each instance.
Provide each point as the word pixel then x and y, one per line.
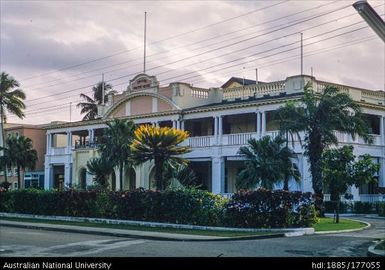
pixel 145 228
pixel 327 224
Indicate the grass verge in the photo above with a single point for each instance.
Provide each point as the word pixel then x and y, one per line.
pixel 145 228
pixel 327 224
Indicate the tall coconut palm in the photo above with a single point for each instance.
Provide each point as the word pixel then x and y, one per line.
pixel 319 115
pixel 89 107
pixel 268 162
pixel 115 144
pixel 20 153
pixel 11 101
pixel 159 144
pixel 101 169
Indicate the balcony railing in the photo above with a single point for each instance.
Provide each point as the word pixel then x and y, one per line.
pixel 242 139
pixel 85 145
pixel 237 139
pixel 202 141
pixel 256 90
pixel 372 197
pixel 362 198
pixel 58 150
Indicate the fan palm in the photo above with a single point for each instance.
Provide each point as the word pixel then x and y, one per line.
pixel 115 144
pixel 159 144
pixel 268 162
pixel 11 100
pixel 101 169
pixel 19 152
pixel 180 174
pixel 89 107
pixel 319 116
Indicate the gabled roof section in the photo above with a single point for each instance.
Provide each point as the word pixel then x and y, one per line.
pixel 241 81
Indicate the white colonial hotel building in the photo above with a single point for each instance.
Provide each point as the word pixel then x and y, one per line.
pixel 219 121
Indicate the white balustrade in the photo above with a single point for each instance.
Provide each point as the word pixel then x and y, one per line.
pixel 58 150
pixel 238 139
pixel 200 92
pixel 254 90
pixel 372 197
pixel 272 134
pixel 202 141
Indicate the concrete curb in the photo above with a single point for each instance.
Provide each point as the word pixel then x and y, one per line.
pixel 132 233
pixel 289 231
pixel 368 225
pixel 372 252
pixel 375 217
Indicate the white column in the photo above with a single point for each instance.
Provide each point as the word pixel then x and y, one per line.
pixel 258 125
pixel 177 124
pixel 263 124
pixel 47 176
pixel 49 144
pixel 117 186
pixel 220 125
pixel 182 125
pixel 220 128
pixel 217 175
pixel 216 129
pixel 382 130
pixel 174 123
pixel 69 141
pixel 91 135
pixel 67 174
pixel 215 125
pixel 355 192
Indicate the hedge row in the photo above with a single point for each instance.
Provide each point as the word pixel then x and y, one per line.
pixel 357 207
pixel 272 209
pixel 258 209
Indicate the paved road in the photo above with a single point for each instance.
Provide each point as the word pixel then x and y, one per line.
pixel 27 242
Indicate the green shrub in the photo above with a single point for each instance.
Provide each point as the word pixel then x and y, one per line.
pixel 344 207
pixel 364 208
pixel 270 209
pixel 381 209
pixel 184 206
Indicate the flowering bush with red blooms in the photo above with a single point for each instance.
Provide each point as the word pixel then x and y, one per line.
pixel 270 209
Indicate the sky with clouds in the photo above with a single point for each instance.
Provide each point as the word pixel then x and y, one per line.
pixel 59 49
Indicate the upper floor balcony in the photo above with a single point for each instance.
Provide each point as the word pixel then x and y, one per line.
pixel 296 84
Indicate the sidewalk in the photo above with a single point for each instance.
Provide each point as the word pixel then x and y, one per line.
pixel 130 233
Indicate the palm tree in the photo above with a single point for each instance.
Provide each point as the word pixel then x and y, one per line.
pixel 159 144
pixel 101 169
pixel 115 144
pixel 319 115
pixel 89 107
pixel 268 162
pixel 20 153
pixel 180 175
pixel 11 100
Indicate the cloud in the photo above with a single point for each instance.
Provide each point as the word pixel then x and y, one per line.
pixel 41 37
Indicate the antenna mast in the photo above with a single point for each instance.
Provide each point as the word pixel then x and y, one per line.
pixel 301 53
pixel 103 92
pixel 144 58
